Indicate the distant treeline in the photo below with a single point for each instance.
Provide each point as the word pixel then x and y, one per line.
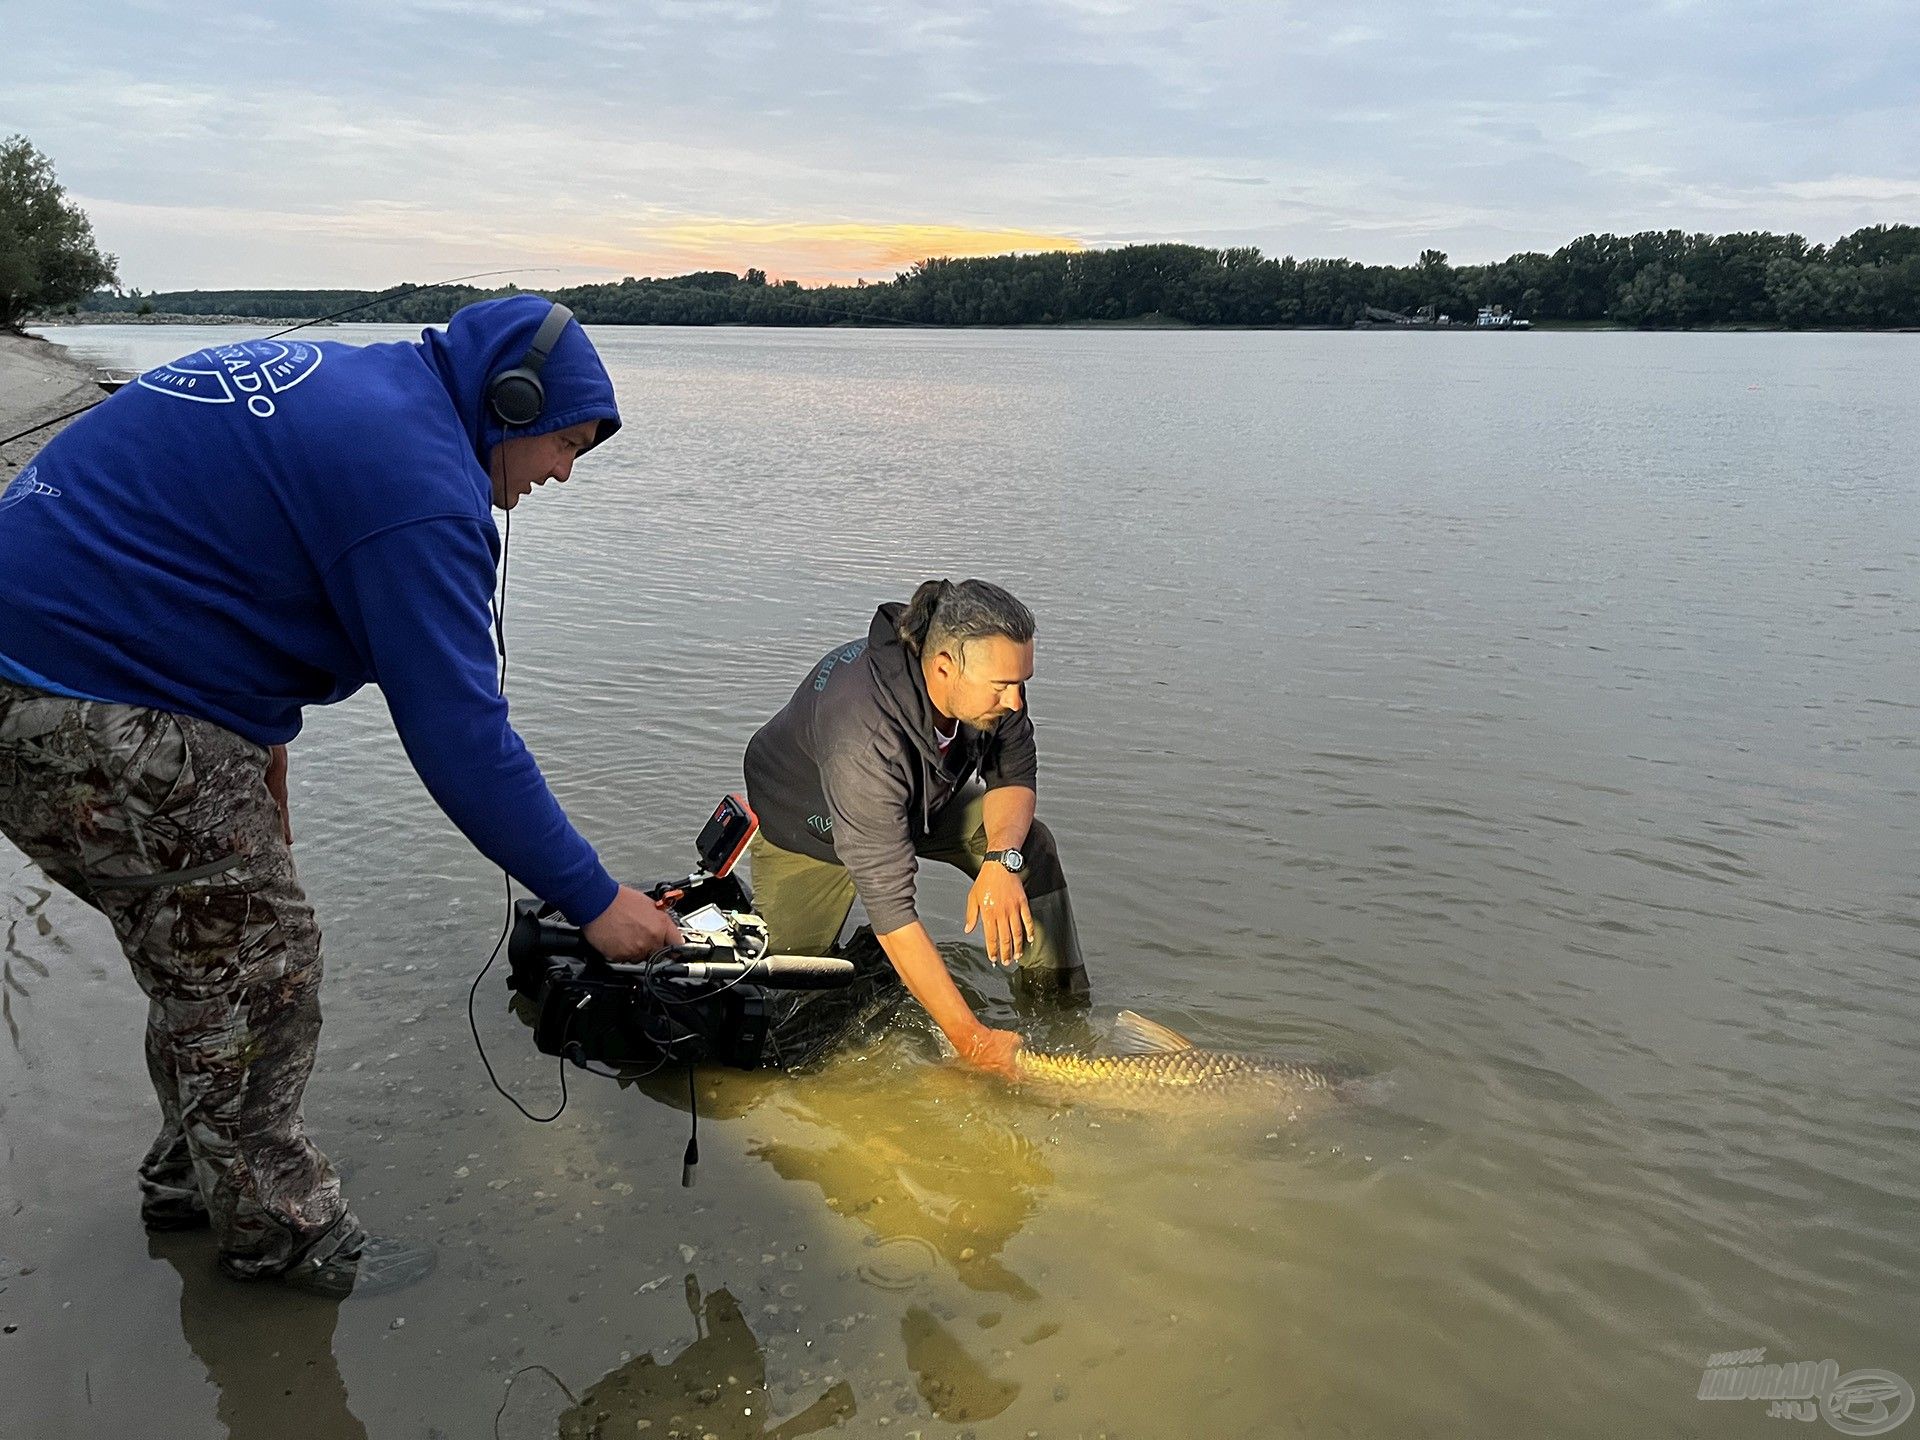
pixel 1657 280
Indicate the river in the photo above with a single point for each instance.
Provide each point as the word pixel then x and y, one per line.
pixel 1530 719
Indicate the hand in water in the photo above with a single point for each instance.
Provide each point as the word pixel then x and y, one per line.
pixel 992 1050
pixel 631 928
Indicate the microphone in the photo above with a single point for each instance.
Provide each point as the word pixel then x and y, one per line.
pixel 779 972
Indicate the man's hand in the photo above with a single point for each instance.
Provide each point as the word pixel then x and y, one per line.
pixel 998 901
pixel 631 928
pixel 992 1050
pixel 277 787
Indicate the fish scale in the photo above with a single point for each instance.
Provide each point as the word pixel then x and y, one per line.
pixel 1177 1072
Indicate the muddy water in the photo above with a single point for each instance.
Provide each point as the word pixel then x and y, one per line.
pixel 1531 718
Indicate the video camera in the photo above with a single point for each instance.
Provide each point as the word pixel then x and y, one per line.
pixel 705 1001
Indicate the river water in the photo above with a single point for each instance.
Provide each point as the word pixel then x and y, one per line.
pixel 1529 718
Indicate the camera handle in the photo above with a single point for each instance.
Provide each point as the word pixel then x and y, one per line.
pixel 533 934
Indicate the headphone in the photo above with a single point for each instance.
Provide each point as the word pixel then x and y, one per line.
pixel 516 397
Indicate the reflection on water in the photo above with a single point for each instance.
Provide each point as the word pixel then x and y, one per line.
pixel 957 1386
pixel 715 1389
pixel 913 1171
pixel 32 917
pixel 912 1152
pixel 262 1386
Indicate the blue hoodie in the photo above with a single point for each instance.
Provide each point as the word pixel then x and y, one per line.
pixel 274 524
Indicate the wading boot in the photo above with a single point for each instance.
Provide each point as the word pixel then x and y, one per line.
pixel 174 1212
pixel 362 1264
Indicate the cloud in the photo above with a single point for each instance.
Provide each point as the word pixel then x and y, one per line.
pixel 607 133
pixel 1902 194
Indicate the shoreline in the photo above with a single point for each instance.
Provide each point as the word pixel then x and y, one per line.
pixel 1133 322
pixel 38 380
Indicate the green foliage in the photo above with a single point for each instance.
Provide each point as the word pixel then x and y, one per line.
pixel 1658 279
pixel 48 259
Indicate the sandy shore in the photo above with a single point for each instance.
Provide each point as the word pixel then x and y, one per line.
pixel 38 379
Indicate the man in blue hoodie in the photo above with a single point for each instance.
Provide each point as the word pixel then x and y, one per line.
pixel 239 534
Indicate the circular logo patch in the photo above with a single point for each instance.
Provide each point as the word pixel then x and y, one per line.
pixel 252 373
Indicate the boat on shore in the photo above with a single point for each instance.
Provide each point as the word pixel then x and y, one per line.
pixel 1490 317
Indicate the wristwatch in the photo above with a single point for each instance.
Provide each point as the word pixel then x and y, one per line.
pixel 1011 858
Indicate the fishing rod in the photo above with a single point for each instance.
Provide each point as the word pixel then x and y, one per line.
pixel 355 309
pixel 405 289
pixel 811 306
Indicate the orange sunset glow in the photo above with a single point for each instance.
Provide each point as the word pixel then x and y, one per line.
pixel 812 252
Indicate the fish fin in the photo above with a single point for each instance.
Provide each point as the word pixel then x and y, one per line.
pixel 1136 1035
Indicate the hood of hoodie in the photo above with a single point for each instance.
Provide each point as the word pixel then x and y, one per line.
pixel 484 339
pixel 903 685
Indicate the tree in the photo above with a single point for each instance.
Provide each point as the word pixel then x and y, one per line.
pixel 48 258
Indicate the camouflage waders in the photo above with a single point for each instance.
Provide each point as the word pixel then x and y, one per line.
pixel 805 901
pixel 165 825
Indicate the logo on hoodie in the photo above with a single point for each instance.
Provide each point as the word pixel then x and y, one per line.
pixel 840 657
pixel 251 373
pixel 26 483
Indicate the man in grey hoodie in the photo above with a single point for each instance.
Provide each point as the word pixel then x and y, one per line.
pixel 870 766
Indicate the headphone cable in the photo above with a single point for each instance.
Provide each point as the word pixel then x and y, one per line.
pixel 473 1024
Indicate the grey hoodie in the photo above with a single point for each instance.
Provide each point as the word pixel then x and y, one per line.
pixel 850 770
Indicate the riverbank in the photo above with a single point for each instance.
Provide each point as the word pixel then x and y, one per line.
pixel 38 380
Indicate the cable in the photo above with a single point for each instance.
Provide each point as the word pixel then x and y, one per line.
pixel 473 990
pixel 474 1025
pixel 500 644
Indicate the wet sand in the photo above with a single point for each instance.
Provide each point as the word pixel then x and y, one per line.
pixel 38 380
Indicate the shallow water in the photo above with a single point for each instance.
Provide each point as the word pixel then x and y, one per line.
pixel 1532 717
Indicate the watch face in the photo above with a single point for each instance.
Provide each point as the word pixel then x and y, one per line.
pixel 1014 861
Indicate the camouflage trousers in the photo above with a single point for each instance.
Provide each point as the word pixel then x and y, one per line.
pixel 165 825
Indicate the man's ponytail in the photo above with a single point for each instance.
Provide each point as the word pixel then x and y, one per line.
pixel 918 617
pixel 943 613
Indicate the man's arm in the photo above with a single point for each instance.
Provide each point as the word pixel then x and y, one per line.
pixel 416 601
pixel 869 802
pixel 924 973
pixel 1009 815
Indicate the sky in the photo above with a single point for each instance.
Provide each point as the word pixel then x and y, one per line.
pixel 365 142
